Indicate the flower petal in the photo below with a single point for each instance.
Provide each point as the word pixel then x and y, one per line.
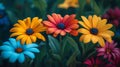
pixel 83 31
pixel 40 36
pixel 13 42
pixel 95 21
pixel 29 54
pixel 6 48
pixel 21 58
pixel 86 22
pixel 31 45
pixel 6 54
pixel 33 50
pixel 87 38
pixel 13 57
pixel 101 42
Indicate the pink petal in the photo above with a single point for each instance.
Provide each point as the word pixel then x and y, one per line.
pixel 51 30
pixel 51 19
pixel 55 17
pixel 47 23
pixel 63 33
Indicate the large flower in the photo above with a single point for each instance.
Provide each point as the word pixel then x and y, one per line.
pixel 61 25
pixel 13 50
pixel 95 62
pixel 95 29
pixel 69 3
pixel 28 31
pixel 109 51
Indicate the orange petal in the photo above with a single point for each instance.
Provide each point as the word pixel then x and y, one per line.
pixel 63 33
pixel 51 19
pixel 74 32
pixel 55 17
pixel 51 30
pixel 49 24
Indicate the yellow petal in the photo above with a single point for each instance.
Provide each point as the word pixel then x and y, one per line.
pixel 94 39
pixel 15 34
pixel 28 22
pixel 20 37
pixel 16 29
pixel 95 21
pixel 22 23
pixel 82 23
pixel 82 37
pixel 109 32
pixel 39 29
pixel 33 38
pixel 39 36
pixel 34 22
pixel 107 26
pixel 101 24
pixel 101 42
pixel 90 19
pixel 87 23
pixel 83 31
pixel 28 41
pixel 23 40
pixel 87 38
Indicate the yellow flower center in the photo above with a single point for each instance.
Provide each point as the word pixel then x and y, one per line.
pixel 29 31
pixel 94 31
pixel 19 50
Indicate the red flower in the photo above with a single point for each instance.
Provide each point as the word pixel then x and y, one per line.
pixel 56 24
pixel 95 62
pixel 109 51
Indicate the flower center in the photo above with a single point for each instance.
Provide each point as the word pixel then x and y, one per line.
pixel 108 51
pixel 61 26
pixel 29 31
pixel 94 31
pixel 19 50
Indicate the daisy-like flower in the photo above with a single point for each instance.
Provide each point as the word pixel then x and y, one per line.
pixel 61 25
pixel 95 62
pixel 95 30
pixel 109 51
pixel 69 3
pixel 28 31
pixel 13 50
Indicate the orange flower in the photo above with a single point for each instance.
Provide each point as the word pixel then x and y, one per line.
pixel 56 24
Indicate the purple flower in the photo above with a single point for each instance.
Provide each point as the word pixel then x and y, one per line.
pixel 109 51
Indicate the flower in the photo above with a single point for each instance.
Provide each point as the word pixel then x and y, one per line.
pixel 95 62
pixel 61 25
pixel 28 31
pixel 14 51
pixel 109 51
pixel 113 15
pixel 95 30
pixel 69 3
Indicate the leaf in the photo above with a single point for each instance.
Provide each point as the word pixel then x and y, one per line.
pixel 54 44
pixel 57 57
pixel 41 5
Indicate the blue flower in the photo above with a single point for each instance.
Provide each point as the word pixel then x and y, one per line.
pixel 14 51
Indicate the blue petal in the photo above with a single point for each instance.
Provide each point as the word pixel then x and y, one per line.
pixel 33 50
pixel 13 57
pixel 6 48
pixel 19 45
pixel 29 54
pixel 6 54
pixel 21 58
pixel 7 43
pixel 31 45
pixel 13 42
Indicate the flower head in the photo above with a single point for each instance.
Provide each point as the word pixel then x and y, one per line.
pixel 95 62
pixel 113 16
pixel 109 51
pixel 95 30
pixel 14 51
pixel 61 25
pixel 28 31
pixel 69 3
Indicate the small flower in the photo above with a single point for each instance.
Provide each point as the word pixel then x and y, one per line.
pixel 61 25
pixel 95 30
pixel 69 3
pixel 14 51
pixel 109 51
pixel 95 62
pixel 113 16
pixel 28 31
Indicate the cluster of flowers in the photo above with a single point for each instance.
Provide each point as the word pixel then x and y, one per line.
pixel 27 31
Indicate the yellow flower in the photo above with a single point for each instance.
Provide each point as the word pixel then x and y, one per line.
pixel 69 3
pixel 95 30
pixel 27 30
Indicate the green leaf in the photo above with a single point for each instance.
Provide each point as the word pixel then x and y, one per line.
pixel 54 44
pixel 57 57
pixel 41 5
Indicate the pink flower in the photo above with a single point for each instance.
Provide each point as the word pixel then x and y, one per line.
pixel 113 16
pixel 95 62
pixel 109 51
pixel 56 24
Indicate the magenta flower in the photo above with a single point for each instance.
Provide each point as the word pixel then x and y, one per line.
pixel 113 16
pixel 95 62
pixel 109 51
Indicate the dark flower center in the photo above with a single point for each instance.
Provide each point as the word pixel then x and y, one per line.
pixel 19 50
pixel 61 26
pixel 94 31
pixel 29 31
pixel 108 51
